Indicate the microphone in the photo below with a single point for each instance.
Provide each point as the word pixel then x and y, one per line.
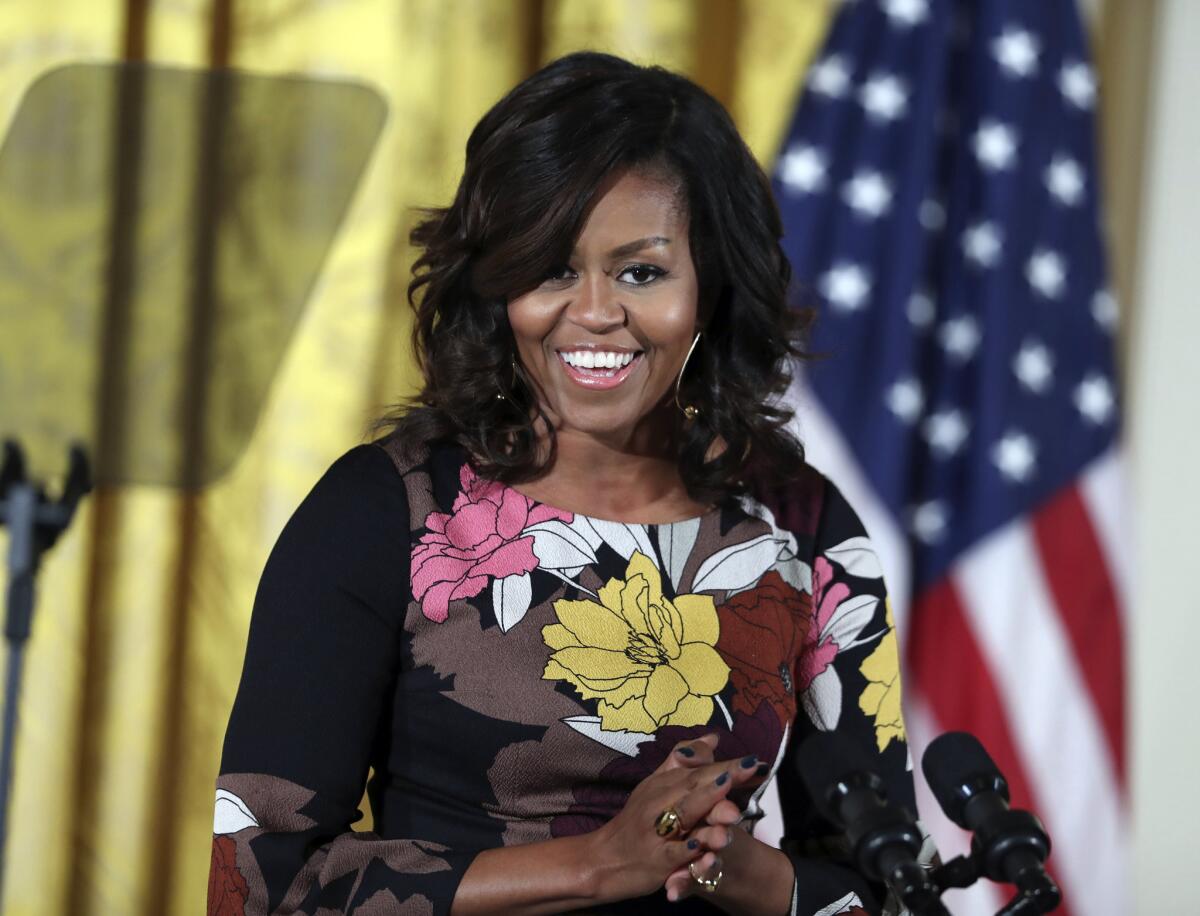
pixel 1010 845
pixel 884 837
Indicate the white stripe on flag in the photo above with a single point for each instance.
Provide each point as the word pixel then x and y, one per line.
pixel 1102 488
pixel 983 898
pixel 1050 715
pixel 826 450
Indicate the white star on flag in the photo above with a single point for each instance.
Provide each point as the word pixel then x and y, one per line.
pixel 961 200
pixel 1077 84
pixel 868 194
pixel 905 399
pixel 906 13
pixel 1034 366
pixel 920 309
pixel 846 286
pixel 883 97
pixel 1047 273
pixel 1016 456
pixel 982 244
pixel 830 76
pixel 995 146
pixel 1016 51
pixel 945 431
pixel 960 337
pixel 1094 399
pixel 1064 179
pixel 803 169
pixel 929 521
pixel 1105 309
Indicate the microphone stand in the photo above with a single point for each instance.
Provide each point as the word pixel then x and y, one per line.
pixel 1036 892
pixel 34 523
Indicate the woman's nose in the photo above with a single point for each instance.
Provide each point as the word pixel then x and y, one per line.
pixel 595 305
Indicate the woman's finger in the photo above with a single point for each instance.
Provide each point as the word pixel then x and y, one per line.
pixel 679 884
pixel 707 789
pixel 739 776
pixel 685 885
pixel 677 854
pixel 713 837
pixel 691 753
pixel 724 812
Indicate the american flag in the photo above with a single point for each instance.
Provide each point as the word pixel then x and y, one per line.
pixel 938 186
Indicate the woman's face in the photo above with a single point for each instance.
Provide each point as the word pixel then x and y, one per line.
pixel 605 336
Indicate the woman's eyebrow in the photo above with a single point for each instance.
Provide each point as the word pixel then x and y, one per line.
pixel 651 241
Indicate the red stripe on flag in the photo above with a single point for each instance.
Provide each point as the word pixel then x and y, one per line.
pixel 951 674
pixel 1076 571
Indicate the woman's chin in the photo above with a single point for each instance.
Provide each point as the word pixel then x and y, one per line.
pixel 610 423
pixel 597 425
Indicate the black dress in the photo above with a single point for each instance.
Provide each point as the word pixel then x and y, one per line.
pixel 497 671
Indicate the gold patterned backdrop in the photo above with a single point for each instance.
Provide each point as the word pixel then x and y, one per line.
pixel 144 605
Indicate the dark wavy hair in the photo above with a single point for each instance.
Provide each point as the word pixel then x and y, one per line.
pixel 533 166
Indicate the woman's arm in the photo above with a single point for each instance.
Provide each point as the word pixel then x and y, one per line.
pixel 320 667
pixel 847 679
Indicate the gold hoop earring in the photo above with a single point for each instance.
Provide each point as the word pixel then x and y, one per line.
pixel 501 394
pixel 690 411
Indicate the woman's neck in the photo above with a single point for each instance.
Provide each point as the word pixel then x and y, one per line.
pixel 594 478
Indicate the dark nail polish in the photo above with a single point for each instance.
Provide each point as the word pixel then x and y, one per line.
pixel 763 770
pixel 723 778
pixel 693 844
pixel 749 761
pixel 685 752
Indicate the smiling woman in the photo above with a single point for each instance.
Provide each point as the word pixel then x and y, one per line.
pixel 605 205
pixel 581 603
pixel 603 339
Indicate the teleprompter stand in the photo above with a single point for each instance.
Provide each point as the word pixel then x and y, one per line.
pixel 34 522
pixel 161 230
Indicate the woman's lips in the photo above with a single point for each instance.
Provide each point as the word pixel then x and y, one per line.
pixel 598 379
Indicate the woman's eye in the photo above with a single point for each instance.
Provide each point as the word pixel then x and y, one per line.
pixel 642 274
pixel 558 274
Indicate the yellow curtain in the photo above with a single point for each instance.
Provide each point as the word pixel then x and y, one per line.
pixel 143 606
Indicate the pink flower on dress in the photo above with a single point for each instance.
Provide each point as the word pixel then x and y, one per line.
pixel 819 648
pixel 478 541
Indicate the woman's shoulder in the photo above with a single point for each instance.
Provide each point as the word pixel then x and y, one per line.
pixel 795 502
pixel 408 452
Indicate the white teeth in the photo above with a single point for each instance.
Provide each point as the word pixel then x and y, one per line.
pixel 597 359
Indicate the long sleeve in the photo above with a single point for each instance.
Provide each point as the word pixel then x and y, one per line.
pixel 311 711
pixel 848 679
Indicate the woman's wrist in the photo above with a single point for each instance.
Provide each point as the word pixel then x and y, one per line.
pixel 757 879
pixel 597 871
pixel 567 873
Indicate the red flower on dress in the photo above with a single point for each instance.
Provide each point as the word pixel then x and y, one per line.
pixel 761 632
pixel 227 889
pixel 479 540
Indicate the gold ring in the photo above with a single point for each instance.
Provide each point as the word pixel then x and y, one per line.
pixel 667 823
pixel 707 884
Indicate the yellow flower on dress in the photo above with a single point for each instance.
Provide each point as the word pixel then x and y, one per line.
pixel 650 661
pixel 881 698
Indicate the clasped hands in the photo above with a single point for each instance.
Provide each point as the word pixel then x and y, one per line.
pixel 632 859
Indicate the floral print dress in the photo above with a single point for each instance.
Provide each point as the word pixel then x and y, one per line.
pixel 497 671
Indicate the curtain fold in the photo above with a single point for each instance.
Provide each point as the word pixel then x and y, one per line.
pixel 143 606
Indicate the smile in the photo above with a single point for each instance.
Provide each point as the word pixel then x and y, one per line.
pixel 598 369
